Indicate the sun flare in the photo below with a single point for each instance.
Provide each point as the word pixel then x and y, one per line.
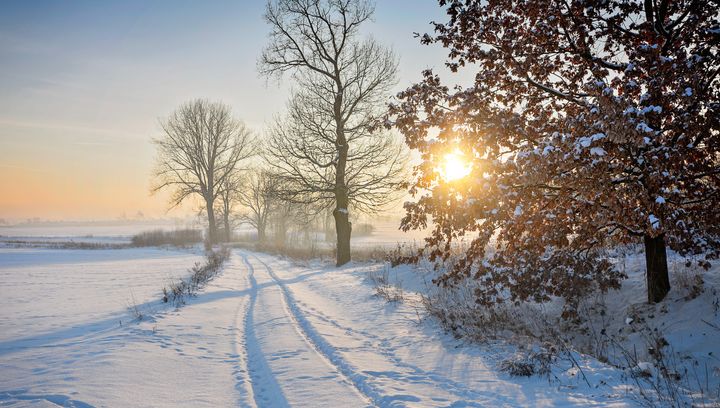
pixel 455 166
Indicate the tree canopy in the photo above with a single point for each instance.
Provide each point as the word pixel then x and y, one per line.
pixel 589 123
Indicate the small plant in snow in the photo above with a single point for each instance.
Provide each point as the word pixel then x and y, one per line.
pixel 135 309
pixel 526 363
pixel 689 282
pixel 391 292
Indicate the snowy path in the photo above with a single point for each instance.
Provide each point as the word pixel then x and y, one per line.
pixel 269 333
pixel 406 382
pixel 331 330
pixel 281 350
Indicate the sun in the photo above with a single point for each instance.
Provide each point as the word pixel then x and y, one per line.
pixel 454 166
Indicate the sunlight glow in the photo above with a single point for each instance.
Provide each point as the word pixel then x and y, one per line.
pixel 455 166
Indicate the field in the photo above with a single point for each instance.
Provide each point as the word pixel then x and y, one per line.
pixel 87 328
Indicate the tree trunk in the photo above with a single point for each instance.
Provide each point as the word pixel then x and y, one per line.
pixel 261 232
pixel 280 233
pixel 328 221
pixel 212 226
pixel 343 229
pixel 226 221
pixel 658 281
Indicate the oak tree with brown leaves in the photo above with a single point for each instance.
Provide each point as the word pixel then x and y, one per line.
pixel 589 124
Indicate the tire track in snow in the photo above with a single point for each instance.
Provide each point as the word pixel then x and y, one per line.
pixel 265 389
pixel 383 347
pixel 242 371
pixel 326 351
pixel 419 375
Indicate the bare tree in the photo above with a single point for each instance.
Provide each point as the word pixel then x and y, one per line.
pixel 326 148
pixel 200 150
pixel 229 198
pixel 292 218
pixel 256 195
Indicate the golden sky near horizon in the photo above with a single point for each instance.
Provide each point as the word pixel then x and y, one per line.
pixel 83 84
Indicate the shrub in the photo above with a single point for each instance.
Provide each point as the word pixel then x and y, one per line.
pixel 525 363
pixel 181 237
pixel 390 291
pixel 200 275
pixel 63 245
pixel 315 251
pixel 689 283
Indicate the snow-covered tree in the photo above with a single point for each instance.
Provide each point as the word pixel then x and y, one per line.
pixel 588 124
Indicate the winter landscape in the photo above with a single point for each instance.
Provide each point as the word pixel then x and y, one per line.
pixel 348 203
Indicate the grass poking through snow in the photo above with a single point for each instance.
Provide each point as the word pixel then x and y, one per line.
pixel 200 274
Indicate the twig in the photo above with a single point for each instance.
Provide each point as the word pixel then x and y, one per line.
pixel 714 326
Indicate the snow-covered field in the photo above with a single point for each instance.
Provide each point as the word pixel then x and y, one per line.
pixel 61 310
pixel 98 232
pixel 266 333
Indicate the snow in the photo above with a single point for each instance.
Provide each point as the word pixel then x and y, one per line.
pixel 654 221
pixel 587 141
pixel 518 211
pixel 651 109
pixel 622 321
pixel 646 367
pixel 643 127
pixel 689 323
pixel 266 332
pixel 45 290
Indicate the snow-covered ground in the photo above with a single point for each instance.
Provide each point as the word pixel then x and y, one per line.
pixel 678 338
pixel 266 333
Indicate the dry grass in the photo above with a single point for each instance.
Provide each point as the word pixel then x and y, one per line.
pixel 316 251
pixel 689 282
pixel 179 238
pixel 384 288
pixel 62 244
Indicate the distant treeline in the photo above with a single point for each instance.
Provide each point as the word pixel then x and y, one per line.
pixel 181 237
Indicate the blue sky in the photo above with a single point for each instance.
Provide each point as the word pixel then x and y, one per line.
pixel 83 83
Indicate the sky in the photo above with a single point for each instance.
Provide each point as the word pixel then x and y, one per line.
pixel 83 85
